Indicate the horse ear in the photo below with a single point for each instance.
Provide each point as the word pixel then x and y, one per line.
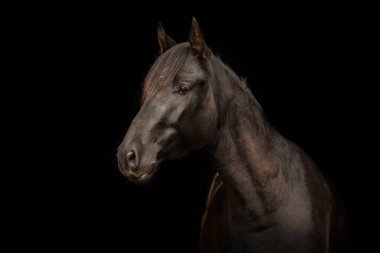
pixel 164 40
pixel 197 41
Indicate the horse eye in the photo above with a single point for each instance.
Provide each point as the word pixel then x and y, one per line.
pixel 183 89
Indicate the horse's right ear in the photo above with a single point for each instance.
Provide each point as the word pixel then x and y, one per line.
pixel 164 40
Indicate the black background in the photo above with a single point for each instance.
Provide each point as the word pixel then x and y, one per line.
pixel 87 64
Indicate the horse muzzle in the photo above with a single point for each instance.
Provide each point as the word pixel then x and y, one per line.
pixel 134 167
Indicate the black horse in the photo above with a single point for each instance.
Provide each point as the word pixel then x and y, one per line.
pixel 267 194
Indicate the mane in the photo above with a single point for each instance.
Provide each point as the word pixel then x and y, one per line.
pixel 164 70
pixel 224 72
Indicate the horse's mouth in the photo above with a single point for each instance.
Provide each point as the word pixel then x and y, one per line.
pixel 143 177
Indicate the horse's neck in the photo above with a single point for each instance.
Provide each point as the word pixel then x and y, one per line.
pixel 247 155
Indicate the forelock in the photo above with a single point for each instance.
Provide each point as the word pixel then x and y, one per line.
pixel 164 69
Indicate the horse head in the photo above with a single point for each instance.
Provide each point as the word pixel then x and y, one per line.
pixel 178 113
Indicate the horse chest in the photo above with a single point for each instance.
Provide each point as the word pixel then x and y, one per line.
pixel 213 233
pixel 222 231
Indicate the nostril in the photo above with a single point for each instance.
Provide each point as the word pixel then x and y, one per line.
pixel 131 159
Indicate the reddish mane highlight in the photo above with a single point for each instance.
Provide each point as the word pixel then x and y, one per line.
pixel 164 70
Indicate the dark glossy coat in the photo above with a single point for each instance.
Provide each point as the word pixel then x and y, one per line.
pixel 267 195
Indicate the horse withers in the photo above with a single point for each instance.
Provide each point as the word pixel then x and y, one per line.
pixel 267 194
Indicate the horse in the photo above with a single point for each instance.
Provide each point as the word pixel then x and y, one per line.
pixel 267 194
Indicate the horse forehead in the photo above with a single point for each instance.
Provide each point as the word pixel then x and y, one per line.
pixel 191 69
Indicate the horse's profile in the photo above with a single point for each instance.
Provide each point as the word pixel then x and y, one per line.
pixel 267 194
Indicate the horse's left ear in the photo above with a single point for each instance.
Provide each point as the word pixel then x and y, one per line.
pixel 197 41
